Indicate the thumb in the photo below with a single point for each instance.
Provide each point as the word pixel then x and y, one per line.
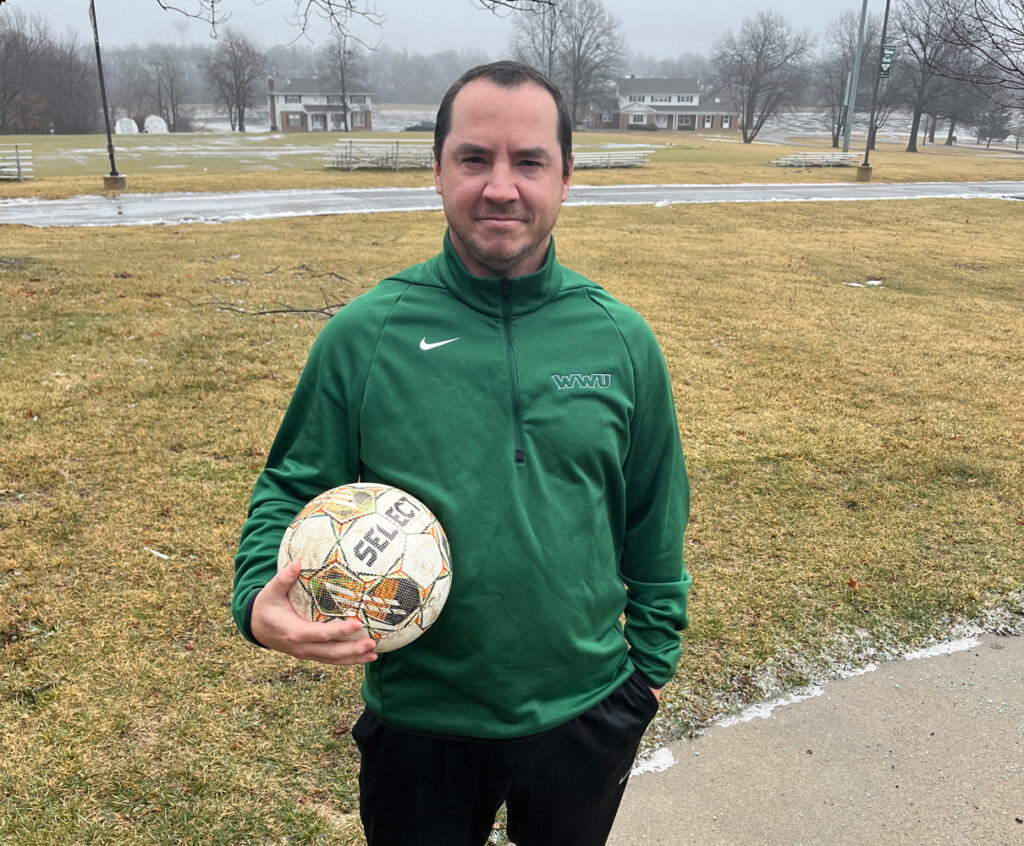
pixel 284 579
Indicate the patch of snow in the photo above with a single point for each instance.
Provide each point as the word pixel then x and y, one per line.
pixel 763 710
pixel 947 648
pixel 657 762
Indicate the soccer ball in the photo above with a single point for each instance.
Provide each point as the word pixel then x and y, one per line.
pixel 373 553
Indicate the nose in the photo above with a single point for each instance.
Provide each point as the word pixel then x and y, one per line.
pixel 501 184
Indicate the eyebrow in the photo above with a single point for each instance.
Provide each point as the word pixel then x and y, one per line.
pixel 467 148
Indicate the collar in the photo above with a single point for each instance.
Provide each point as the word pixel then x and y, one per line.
pixel 486 293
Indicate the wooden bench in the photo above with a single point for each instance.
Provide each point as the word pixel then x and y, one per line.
pixel 612 158
pixel 15 162
pixel 381 155
pixel 818 160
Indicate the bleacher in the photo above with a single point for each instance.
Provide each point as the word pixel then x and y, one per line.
pixel 817 160
pixel 612 158
pixel 381 155
pixel 15 162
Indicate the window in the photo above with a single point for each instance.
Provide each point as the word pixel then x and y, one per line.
pixel 294 119
pixel 636 98
pixel 358 119
pixel 709 121
pixel 726 121
pixel 335 100
pixel 689 99
pixel 661 98
pixel 293 98
pixel 685 120
pixel 358 98
pixel 638 118
pixel 606 117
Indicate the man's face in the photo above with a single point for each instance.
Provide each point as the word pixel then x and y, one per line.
pixel 500 177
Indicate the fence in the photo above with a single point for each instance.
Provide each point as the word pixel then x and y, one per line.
pixel 15 162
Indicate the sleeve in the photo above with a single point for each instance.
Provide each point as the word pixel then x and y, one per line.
pixel 316 448
pixel 657 510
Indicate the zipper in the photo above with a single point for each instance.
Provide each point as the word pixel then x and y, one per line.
pixel 513 372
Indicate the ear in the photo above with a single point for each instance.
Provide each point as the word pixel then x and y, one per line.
pixel 567 178
pixel 437 177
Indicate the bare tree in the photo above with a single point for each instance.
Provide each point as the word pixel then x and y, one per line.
pixel 338 13
pixel 923 49
pixel 835 65
pixel 171 89
pixel 592 51
pixel 343 63
pixel 238 71
pixel 535 39
pixel 761 68
pixel 71 87
pixel 131 85
pixel 992 32
pixel 1017 127
pixel 577 44
pixel 24 48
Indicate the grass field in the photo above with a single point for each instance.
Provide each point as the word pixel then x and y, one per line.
pixel 855 452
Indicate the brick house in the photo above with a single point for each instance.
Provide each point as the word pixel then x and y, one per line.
pixel 662 104
pixel 315 105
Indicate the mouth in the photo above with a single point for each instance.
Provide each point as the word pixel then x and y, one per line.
pixel 500 221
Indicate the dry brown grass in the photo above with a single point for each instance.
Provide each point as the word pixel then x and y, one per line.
pixel 855 452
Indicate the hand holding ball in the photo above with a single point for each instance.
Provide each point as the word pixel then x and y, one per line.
pixel 373 553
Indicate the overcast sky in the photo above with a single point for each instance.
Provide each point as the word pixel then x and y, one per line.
pixel 661 28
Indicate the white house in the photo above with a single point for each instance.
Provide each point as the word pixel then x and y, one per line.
pixel 314 105
pixel 662 104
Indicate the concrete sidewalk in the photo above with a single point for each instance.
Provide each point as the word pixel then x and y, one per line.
pixel 920 751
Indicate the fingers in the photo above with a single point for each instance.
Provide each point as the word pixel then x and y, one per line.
pixel 337 642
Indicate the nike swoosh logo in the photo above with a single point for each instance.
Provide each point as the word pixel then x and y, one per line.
pixel 425 346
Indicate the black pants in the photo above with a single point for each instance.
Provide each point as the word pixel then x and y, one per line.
pixel 560 788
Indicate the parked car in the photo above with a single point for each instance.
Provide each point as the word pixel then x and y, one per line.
pixel 421 126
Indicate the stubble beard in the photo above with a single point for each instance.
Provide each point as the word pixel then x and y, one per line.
pixel 494 259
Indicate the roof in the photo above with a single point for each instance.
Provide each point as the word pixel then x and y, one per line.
pixel 633 85
pixel 312 86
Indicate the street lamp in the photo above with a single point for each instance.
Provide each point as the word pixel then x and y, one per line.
pixel 116 180
pixel 851 99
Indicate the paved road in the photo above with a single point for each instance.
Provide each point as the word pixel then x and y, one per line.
pixel 920 751
pixel 143 209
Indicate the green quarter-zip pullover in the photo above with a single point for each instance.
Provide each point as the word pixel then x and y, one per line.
pixel 534 417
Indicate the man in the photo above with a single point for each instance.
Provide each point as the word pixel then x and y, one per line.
pixel 533 414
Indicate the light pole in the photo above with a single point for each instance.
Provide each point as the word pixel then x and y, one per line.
pixel 855 79
pixel 874 94
pixel 115 180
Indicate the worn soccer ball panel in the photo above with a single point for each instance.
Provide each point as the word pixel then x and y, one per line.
pixel 371 552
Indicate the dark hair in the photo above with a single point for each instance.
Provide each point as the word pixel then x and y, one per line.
pixel 505 74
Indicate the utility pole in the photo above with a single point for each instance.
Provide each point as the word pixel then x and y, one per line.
pixel 115 181
pixel 856 78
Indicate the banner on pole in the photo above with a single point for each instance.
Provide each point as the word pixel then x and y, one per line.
pixel 885 71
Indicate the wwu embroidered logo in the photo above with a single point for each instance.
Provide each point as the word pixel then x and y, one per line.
pixel 577 381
